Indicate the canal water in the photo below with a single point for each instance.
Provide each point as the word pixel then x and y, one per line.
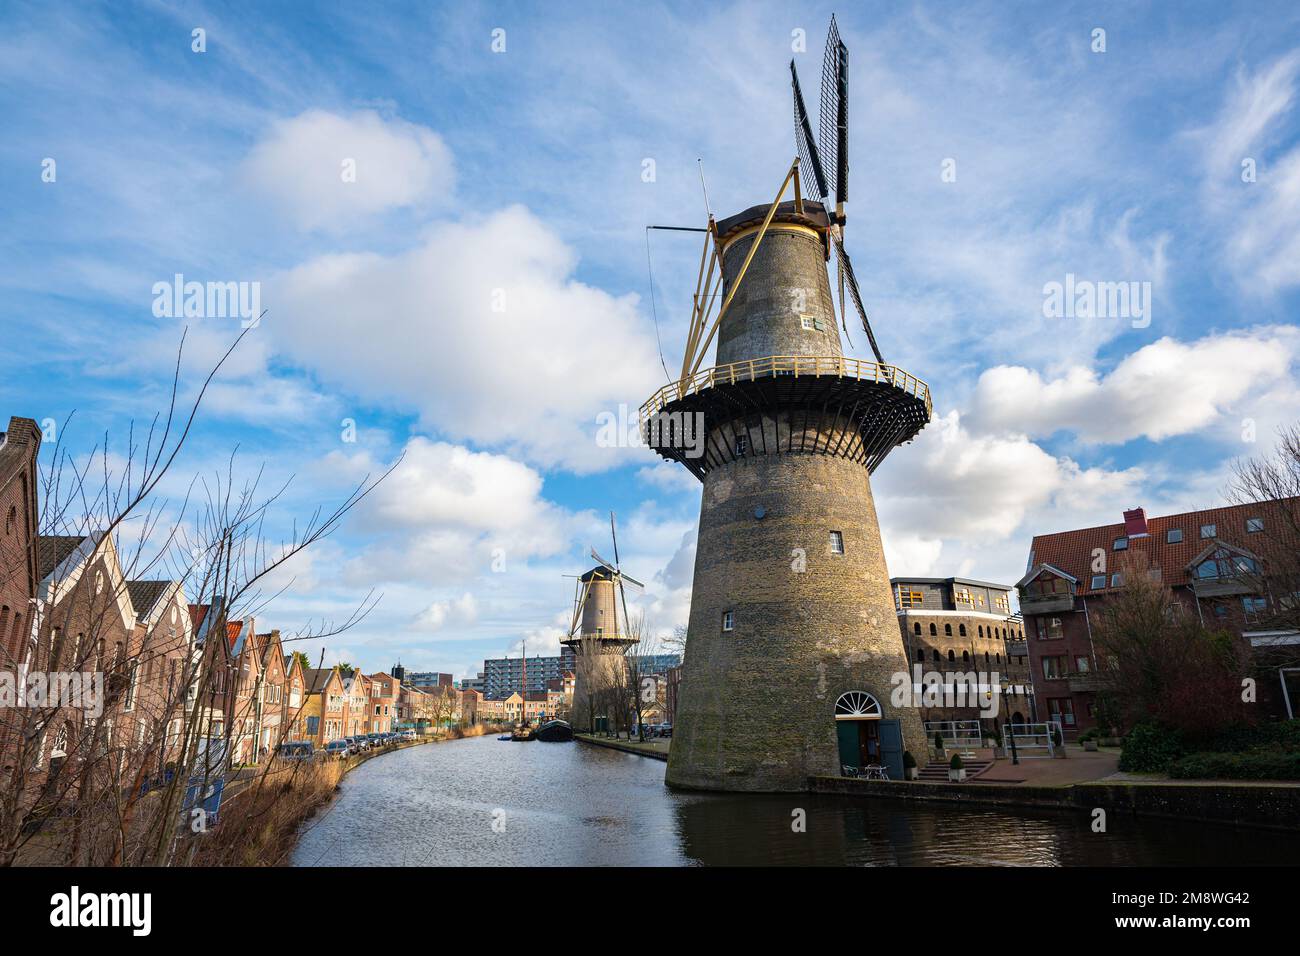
pixel 481 801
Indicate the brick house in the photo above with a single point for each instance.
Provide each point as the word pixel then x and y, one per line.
pixel 385 691
pixel 356 716
pixel 1212 562
pixel 270 694
pixel 325 706
pixel 959 626
pixel 295 697
pixel 19 446
pixel 163 644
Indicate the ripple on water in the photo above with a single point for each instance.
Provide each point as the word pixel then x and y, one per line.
pixel 573 804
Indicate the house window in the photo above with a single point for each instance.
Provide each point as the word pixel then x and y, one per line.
pixel 1117 580
pixel 962 596
pixel 806 322
pixel 1254 524
pixel 907 598
pixel 1002 603
pixel 1053 668
pixel 1098 582
pixel 1081 665
pixel 934 631
pixel 952 656
pixel 1121 544
pixel 1254 605
pixel 961 630
pixel 742 445
pixel 1208 530
pixel 1062 710
pixel 728 620
pixel 916 628
pixel 920 655
pixel 837 542
pixel 1173 536
pixel 1049 629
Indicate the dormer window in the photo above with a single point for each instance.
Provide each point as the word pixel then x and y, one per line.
pixel 1121 544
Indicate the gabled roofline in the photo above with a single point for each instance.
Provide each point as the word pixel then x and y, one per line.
pixel 1039 569
pixel 1214 545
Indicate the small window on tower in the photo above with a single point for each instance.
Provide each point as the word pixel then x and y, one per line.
pixel 728 620
pixel 806 322
pixel 742 445
pixel 837 543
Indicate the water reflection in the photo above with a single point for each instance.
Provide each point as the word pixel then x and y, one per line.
pixel 572 804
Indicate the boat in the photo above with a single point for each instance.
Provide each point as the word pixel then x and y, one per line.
pixel 523 733
pixel 504 737
pixel 555 731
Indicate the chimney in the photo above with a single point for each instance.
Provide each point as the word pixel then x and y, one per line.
pixel 1135 523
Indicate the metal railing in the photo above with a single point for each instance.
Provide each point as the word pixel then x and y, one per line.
pixel 773 366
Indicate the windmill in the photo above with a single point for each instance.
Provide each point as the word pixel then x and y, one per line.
pixel 595 635
pixel 787 432
pixel 826 157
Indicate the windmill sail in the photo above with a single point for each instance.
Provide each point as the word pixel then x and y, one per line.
pixel 833 128
pixel 847 266
pixel 809 156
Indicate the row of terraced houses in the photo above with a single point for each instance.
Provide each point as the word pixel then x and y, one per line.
pixel 66 606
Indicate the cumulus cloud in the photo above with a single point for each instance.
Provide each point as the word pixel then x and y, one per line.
pixel 971 497
pixel 324 170
pixel 461 610
pixel 449 514
pixel 482 328
pixel 1164 389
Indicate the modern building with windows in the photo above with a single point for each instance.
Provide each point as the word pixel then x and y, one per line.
pixel 963 626
pixel 1212 561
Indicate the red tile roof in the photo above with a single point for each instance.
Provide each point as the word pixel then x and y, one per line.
pixel 1071 551
pixel 232 631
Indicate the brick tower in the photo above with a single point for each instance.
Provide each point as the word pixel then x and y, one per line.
pixel 793 642
pixel 791 607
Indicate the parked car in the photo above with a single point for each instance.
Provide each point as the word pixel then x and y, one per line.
pixel 376 740
pixel 337 749
pixel 408 734
pixel 664 730
pixel 296 750
pixel 354 745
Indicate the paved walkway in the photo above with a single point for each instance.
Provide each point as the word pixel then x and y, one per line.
pixel 1081 766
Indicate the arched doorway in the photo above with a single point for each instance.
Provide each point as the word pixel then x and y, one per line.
pixel 865 737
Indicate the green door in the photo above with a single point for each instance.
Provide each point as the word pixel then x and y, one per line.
pixel 847 733
pixel 891 747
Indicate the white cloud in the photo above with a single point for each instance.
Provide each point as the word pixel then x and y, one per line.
pixel 462 610
pixel 1262 218
pixel 449 514
pixel 324 170
pixel 482 328
pixel 1164 389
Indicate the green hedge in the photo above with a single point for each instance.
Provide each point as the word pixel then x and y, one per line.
pixel 1150 748
pixel 1248 766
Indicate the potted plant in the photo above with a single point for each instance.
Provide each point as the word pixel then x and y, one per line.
pixel 909 766
pixel 1089 740
pixel 956 772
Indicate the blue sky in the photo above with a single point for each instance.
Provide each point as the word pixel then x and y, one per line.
pixel 479 292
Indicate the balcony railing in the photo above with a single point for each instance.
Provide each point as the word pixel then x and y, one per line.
pixel 774 366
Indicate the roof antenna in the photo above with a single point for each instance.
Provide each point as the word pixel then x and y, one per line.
pixel 705 187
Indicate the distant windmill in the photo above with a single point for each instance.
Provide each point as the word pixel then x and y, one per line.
pixel 595 634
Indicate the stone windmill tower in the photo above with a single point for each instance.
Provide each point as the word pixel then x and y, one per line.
pixel 793 640
pixel 599 636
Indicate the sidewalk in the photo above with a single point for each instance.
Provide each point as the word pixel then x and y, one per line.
pixel 1081 766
